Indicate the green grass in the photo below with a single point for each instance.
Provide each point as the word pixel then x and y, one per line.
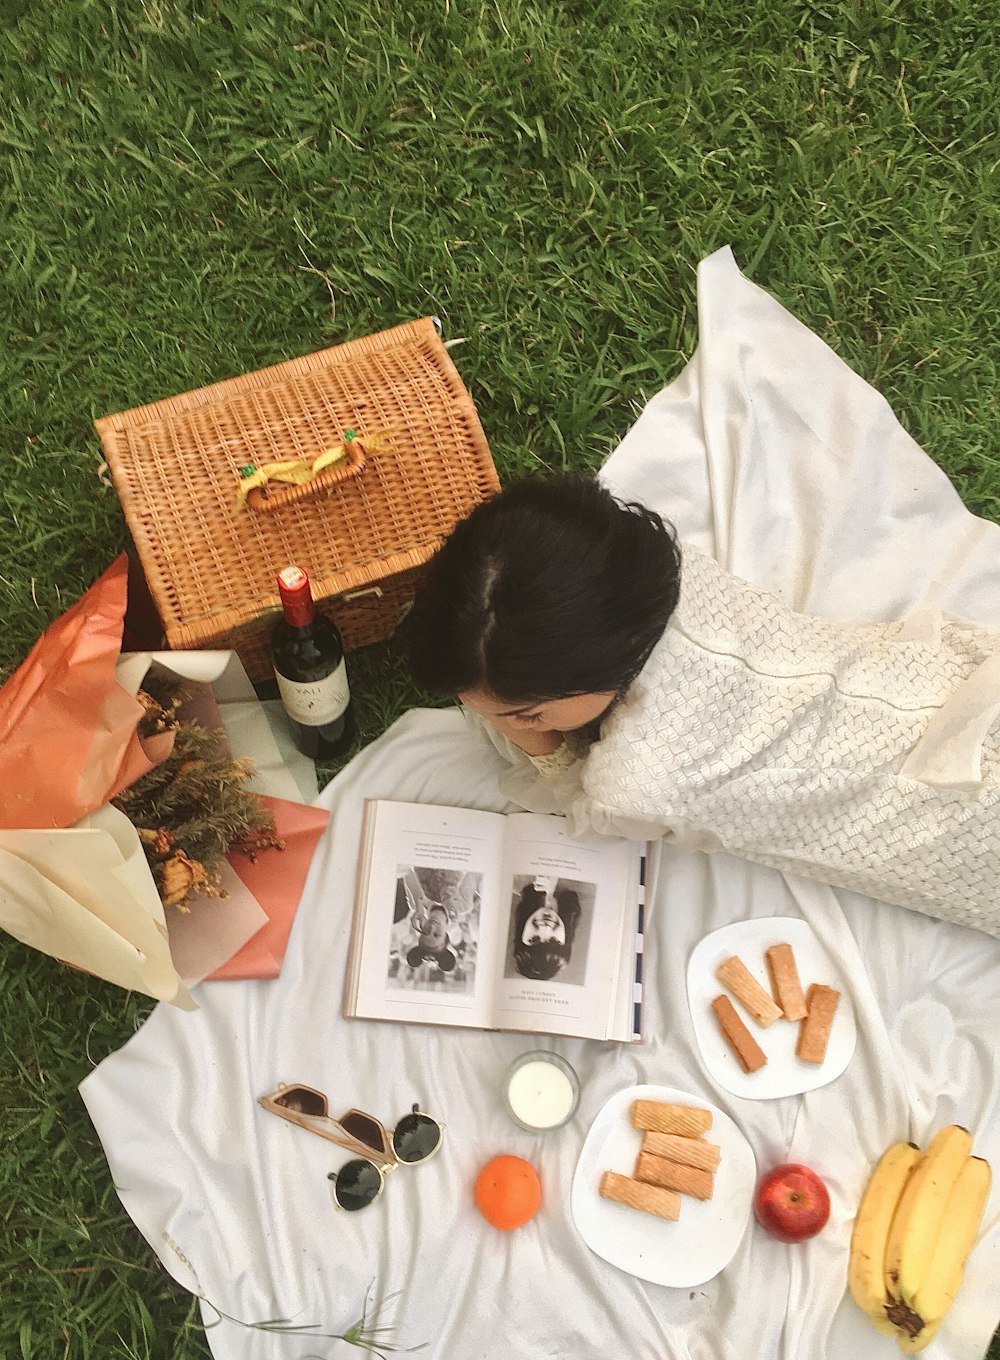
pixel 192 190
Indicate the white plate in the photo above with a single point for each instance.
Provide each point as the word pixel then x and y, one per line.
pixel 784 1074
pixel 705 1237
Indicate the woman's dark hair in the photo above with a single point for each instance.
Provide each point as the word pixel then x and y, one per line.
pixel 543 960
pixel 550 589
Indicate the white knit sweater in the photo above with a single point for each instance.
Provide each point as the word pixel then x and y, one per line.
pixel 867 757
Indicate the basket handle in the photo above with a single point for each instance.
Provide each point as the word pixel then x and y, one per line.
pixel 274 485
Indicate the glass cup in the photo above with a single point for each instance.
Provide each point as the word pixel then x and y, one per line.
pixel 541 1091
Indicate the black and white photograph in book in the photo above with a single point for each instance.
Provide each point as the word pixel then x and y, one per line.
pixel 435 929
pixel 549 932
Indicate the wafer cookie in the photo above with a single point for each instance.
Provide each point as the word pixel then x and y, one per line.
pixel 814 1031
pixel 687 1151
pixel 749 1053
pixel 735 975
pixel 785 982
pixel 651 1199
pixel 663 1117
pixel 686 1180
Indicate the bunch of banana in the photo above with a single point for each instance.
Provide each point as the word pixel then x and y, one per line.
pixel 916 1225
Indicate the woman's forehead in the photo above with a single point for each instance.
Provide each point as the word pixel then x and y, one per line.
pixel 484 702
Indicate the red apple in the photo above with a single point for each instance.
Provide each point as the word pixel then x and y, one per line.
pixel 791 1203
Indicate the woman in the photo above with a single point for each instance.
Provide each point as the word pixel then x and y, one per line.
pixel 867 757
pixel 545 922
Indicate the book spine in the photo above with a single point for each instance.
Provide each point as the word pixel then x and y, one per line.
pixel 640 933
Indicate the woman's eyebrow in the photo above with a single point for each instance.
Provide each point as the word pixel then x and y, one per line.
pixel 517 712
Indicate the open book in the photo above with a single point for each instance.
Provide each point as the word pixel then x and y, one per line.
pixel 496 921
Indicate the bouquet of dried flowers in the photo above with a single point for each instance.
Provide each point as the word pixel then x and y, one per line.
pixel 192 808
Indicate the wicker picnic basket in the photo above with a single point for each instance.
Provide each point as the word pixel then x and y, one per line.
pixel 417 462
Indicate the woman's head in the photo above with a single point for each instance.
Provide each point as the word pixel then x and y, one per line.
pixel 544 929
pixel 433 928
pixel 551 590
pixel 434 945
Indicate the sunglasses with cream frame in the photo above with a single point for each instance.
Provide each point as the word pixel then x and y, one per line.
pixel 377 1151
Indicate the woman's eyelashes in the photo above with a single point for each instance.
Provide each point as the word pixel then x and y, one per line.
pixel 528 718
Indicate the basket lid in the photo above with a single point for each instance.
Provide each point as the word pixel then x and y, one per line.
pixel 176 465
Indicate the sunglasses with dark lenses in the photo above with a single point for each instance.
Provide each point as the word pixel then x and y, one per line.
pixel 359 1182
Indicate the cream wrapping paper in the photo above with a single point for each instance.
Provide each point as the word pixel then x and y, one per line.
pixel 84 894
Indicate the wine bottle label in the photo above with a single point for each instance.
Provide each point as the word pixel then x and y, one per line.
pixel 317 702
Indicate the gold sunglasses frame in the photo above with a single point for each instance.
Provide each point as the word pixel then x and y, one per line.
pixel 325 1126
pixel 334 1131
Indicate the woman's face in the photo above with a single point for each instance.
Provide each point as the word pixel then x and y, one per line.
pixel 545 715
pixel 544 925
pixel 434 930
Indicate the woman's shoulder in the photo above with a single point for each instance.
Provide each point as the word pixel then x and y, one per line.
pixel 723 620
pixel 721 615
pixel 725 608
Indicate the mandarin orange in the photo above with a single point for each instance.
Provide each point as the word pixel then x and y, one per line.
pixel 508 1192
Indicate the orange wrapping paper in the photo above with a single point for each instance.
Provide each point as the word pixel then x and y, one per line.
pixel 68 740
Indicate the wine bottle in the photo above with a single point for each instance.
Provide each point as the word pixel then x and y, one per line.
pixel 307 653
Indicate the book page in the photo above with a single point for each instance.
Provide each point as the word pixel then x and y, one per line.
pixel 424 949
pixel 571 913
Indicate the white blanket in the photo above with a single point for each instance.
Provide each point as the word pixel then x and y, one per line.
pixel 770 453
